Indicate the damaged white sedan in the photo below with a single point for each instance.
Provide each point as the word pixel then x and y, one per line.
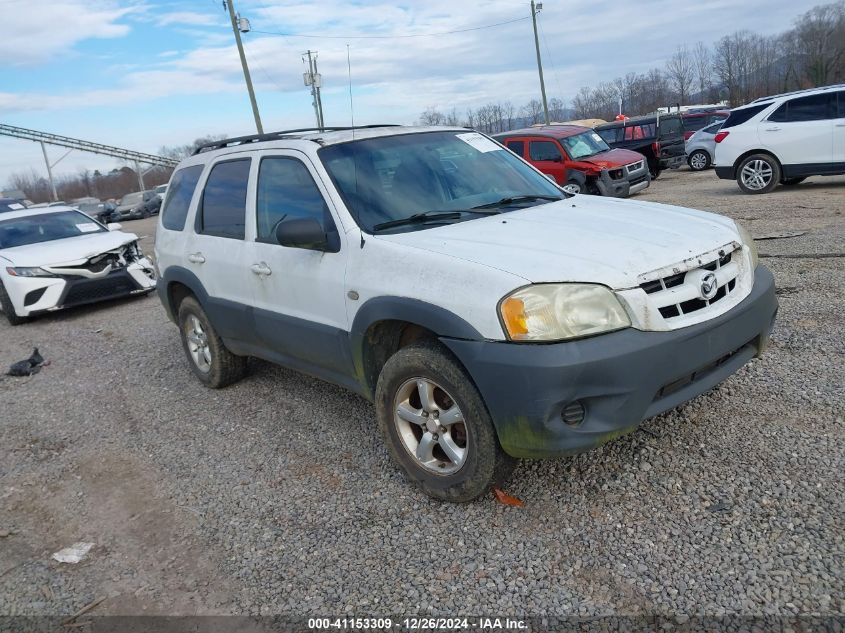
pixel 58 257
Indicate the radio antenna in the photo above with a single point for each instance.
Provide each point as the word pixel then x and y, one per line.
pixel 349 75
pixel 354 158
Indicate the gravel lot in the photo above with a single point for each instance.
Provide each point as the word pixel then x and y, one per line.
pixel 277 496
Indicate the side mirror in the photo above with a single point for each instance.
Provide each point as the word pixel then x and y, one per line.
pixel 302 233
pixel 114 226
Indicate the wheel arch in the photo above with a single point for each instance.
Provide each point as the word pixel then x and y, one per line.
pixel 384 325
pixel 751 152
pixel 176 284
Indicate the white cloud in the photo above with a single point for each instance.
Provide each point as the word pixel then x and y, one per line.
pixel 191 18
pixel 34 32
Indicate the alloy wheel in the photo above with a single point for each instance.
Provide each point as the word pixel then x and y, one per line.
pixel 698 161
pixel 198 343
pixel 756 174
pixel 431 426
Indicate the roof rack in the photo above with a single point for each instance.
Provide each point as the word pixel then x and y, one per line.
pixel 799 92
pixel 271 136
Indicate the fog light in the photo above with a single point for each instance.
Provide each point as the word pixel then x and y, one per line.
pixel 573 413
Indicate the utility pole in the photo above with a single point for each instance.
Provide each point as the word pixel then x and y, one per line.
pixel 535 9
pixel 49 173
pixel 236 29
pixel 313 79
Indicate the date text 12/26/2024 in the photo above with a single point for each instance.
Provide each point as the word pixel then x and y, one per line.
pixel 417 624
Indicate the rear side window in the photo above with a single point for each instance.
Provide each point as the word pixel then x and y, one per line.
pixel 286 191
pixel 640 131
pixel 223 208
pixel 610 135
pixel 693 123
pixel 712 129
pixel 543 150
pixel 517 147
pixel 738 117
pixel 812 108
pixel 179 197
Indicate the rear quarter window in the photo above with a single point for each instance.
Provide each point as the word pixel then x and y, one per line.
pixel 178 201
pixel 738 117
pixel 517 147
pixel 222 211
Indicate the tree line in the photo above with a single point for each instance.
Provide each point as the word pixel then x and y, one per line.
pixel 734 70
pixel 112 184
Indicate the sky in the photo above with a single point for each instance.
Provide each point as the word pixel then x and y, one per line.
pixel 142 74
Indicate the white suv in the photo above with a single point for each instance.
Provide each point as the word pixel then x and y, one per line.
pixel 783 139
pixel 487 314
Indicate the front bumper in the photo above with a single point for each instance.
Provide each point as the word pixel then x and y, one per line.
pixel 628 185
pixel 36 295
pixel 620 378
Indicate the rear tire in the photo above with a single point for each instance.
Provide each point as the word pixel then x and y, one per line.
pixel 699 160
pixel 791 182
pixel 214 365
pixel 759 173
pixel 9 309
pixel 443 439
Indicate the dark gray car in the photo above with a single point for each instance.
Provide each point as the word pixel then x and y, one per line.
pixel 701 147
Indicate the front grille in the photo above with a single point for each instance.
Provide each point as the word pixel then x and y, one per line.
pixel 116 284
pixel 676 295
pixel 676 385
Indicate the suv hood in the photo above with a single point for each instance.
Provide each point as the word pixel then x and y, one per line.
pixel 69 251
pixel 613 158
pixel 581 239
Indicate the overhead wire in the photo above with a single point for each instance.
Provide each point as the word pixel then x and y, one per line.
pixel 390 37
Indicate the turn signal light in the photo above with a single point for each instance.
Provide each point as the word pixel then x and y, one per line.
pixel 513 314
pixel 721 136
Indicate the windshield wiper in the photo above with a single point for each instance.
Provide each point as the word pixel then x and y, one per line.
pixel 513 199
pixel 427 216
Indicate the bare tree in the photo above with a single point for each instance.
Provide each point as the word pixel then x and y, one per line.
pixel 819 36
pixel 431 116
pixel 533 111
pixel 703 70
pixel 680 70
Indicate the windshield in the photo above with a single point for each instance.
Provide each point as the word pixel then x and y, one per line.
pixel 132 198
pixel 46 227
pixel 584 144
pixel 395 177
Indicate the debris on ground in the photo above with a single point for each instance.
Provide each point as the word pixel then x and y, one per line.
pixel 74 553
pixel 83 610
pixel 28 366
pixel 720 506
pixel 782 235
pixel 5 533
pixel 506 499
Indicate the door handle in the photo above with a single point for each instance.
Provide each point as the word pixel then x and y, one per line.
pixel 840 125
pixel 196 258
pixel 773 129
pixel 261 269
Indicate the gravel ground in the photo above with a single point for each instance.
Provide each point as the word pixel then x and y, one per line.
pixel 277 496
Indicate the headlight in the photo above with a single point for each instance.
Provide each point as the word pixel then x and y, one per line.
pixel 554 312
pixel 29 272
pixel 746 238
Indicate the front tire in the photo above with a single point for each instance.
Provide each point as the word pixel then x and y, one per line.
pixel 572 187
pixel 699 160
pixel 759 173
pixel 211 362
pixel 436 425
pixel 9 309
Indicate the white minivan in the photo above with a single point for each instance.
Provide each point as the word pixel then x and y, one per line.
pixel 783 139
pixel 488 315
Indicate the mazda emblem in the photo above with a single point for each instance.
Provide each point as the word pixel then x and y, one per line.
pixel 709 286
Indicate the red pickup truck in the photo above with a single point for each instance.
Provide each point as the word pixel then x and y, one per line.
pixel 579 160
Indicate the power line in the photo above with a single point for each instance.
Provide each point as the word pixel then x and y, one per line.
pixel 390 37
